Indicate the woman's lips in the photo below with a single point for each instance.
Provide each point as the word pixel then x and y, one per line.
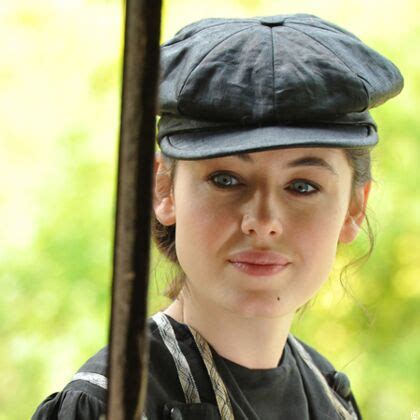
pixel 259 263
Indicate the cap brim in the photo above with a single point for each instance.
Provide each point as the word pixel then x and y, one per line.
pixel 216 143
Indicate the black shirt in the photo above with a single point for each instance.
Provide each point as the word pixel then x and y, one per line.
pixel 268 393
pixel 290 391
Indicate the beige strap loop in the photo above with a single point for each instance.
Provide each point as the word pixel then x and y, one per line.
pixel 219 388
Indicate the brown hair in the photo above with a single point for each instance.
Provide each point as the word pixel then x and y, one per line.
pixel 359 160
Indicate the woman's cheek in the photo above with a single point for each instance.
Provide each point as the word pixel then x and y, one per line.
pixel 218 221
pixel 202 219
pixel 314 232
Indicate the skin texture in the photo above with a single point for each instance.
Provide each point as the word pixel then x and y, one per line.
pixel 227 205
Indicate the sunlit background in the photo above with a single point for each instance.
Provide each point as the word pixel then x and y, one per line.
pixel 60 75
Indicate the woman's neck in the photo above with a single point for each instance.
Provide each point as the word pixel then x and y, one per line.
pixel 256 343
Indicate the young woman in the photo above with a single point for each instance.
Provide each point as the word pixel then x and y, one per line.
pixel 264 169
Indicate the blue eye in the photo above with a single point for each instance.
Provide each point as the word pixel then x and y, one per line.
pixel 224 180
pixel 303 187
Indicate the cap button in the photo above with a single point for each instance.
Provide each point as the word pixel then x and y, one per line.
pixel 272 21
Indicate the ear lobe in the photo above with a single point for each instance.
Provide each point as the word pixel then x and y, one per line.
pixel 163 199
pixel 355 214
pixel 165 212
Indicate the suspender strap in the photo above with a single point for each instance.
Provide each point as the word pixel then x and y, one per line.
pixel 342 411
pixel 183 368
pixel 219 388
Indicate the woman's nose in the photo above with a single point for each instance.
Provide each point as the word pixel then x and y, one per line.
pixel 262 218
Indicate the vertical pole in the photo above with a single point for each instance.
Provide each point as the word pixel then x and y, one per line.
pixel 127 363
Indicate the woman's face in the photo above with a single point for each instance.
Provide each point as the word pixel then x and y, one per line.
pixel 256 234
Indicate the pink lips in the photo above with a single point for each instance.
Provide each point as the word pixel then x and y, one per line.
pixel 259 263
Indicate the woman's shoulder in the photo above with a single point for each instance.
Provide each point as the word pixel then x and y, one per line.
pixel 84 397
pixel 311 360
pixel 337 380
pixel 321 362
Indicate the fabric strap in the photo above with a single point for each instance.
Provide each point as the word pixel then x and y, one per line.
pixel 183 368
pixel 93 378
pixel 219 388
pixel 347 415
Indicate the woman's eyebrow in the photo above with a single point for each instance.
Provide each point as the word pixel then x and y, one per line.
pixel 312 161
pixel 245 157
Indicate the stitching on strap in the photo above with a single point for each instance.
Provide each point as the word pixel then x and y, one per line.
pixel 183 368
pixel 219 388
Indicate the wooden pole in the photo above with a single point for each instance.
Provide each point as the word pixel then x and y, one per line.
pixel 127 363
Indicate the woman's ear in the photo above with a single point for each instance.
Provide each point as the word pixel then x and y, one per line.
pixel 355 214
pixel 163 198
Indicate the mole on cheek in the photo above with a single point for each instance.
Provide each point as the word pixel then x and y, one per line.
pixel 278 297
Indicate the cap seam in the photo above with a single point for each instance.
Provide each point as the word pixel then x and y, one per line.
pixel 202 59
pixel 164 45
pixel 359 78
pixel 333 28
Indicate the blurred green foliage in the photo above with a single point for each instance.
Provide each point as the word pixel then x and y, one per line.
pixel 60 78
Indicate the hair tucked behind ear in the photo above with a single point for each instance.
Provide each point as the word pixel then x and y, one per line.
pixel 164 236
pixel 361 163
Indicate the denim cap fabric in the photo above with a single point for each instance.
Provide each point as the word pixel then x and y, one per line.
pixel 238 85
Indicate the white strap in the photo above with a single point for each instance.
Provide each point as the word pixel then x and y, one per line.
pixel 183 368
pixel 93 378
pixel 96 379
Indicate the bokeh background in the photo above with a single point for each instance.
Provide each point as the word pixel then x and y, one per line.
pixel 60 77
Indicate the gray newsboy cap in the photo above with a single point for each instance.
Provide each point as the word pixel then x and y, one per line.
pixel 239 85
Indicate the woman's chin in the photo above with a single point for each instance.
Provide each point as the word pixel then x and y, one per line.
pixel 262 306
